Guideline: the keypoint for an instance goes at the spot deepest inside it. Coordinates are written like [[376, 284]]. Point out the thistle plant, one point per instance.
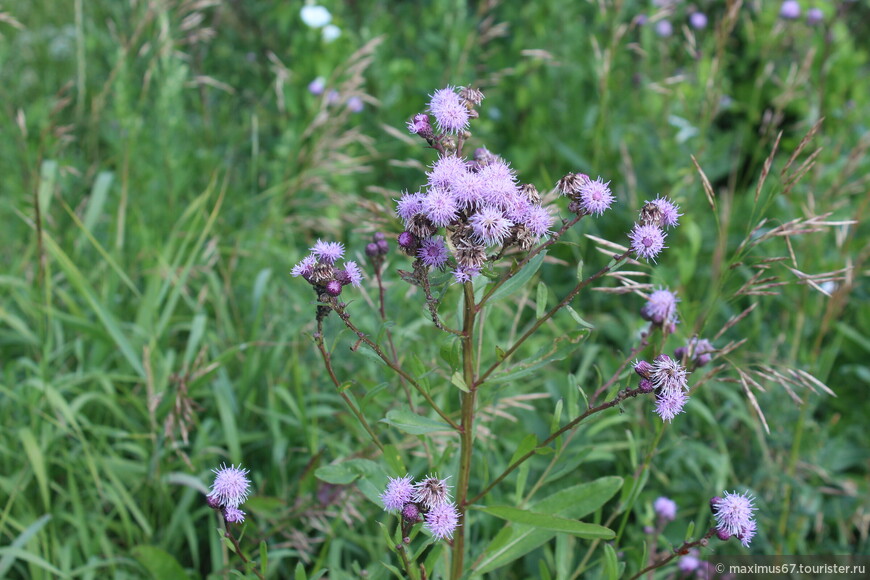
[[474, 232]]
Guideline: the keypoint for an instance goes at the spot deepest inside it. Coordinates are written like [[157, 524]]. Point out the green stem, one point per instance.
[[466, 434]]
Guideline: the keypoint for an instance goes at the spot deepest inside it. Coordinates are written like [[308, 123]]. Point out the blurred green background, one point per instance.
[[164, 164]]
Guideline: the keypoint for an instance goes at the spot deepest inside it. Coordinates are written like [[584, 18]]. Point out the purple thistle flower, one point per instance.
[[733, 515], [433, 252], [355, 104], [468, 189], [234, 515], [665, 508], [664, 28], [538, 219], [490, 226], [231, 486], [409, 205], [407, 240], [669, 404], [440, 207], [399, 492], [647, 241], [661, 307], [353, 273], [431, 492], [442, 520], [328, 252], [305, 267], [317, 86], [700, 350], [333, 287], [643, 369], [668, 212], [698, 20], [411, 512], [498, 170], [646, 386], [419, 125], [815, 16], [689, 562], [746, 534], [450, 114], [446, 171], [463, 274], [595, 196], [668, 375], [790, 9]]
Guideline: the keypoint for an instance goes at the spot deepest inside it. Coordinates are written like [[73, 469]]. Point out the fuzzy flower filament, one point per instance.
[[231, 486], [734, 516]]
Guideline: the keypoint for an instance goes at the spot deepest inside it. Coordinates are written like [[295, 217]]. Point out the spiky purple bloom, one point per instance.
[[333, 287], [317, 86], [665, 508], [463, 274], [433, 252], [305, 267], [409, 205], [668, 375], [353, 273], [328, 252], [231, 486], [407, 240], [664, 28], [815, 16], [790, 9], [419, 125], [440, 207], [446, 171], [489, 225], [411, 512], [669, 212], [698, 20], [661, 307], [595, 196], [734, 515], [234, 515], [468, 189], [647, 241], [431, 491], [442, 520], [537, 219], [450, 114], [700, 350], [746, 534], [399, 491], [669, 404]]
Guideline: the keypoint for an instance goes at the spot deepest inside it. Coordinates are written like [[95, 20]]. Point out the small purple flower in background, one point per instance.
[[442, 520], [790, 9], [355, 104], [647, 241], [234, 515], [689, 562], [665, 508], [328, 252], [433, 252], [333, 97], [431, 491], [317, 86], [664, 28], [815, 16], [450, 114], [734, 516], [661, 307], [669, 404], [698, 20], [399, 492], [595, 196], [231, 486], [699, 349]]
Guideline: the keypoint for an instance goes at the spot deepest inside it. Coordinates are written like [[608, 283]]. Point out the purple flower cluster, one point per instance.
[[479, 202], [427, 500], [661, 309], [648, 236], [734, 516], [698, 350], [230, 489], [669, 379], [665, 508], [319, 269]]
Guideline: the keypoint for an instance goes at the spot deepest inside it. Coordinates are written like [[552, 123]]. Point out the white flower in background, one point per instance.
[[331, 32], [315, 16]]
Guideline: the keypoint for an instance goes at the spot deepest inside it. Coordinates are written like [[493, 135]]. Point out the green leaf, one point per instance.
[[611, 563], [410, 422], [577, 318], [459, 382], [519, 279], [528, 443], [299, 573], [159, 563], [516, 540], [394, 460], [550, 522], [541, 300], [580, 271], [264, 558], [15, 550], [338, 474]]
